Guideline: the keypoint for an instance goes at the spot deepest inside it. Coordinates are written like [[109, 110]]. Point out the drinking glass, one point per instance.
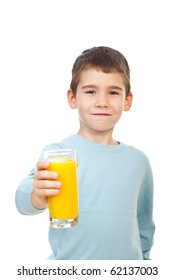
[[63, 207]]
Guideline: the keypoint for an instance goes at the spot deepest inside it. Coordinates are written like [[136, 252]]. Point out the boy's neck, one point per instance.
[[101, 138]]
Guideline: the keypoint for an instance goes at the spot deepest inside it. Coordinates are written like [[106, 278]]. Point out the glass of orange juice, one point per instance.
[[63, 207]]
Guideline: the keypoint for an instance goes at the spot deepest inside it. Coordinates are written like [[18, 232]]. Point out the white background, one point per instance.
[[39, 42]]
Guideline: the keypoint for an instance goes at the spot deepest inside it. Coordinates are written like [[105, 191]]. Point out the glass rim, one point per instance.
[[58, 152]]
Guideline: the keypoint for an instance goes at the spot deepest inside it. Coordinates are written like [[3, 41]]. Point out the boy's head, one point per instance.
[[101, 58]]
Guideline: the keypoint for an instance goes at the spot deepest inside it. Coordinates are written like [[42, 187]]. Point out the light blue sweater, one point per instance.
[[115, 204]]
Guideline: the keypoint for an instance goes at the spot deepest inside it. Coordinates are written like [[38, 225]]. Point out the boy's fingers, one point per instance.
[[43, 164], [45, 175], [45, 184], [47, 192]]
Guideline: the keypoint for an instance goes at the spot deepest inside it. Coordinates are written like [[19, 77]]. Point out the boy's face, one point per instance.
[[100, 100]]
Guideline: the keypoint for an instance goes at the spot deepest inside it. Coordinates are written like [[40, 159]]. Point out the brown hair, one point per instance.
[[103, 58]]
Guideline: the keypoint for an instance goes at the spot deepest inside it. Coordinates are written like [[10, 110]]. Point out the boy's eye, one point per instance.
[[114, 93], [90, 91]]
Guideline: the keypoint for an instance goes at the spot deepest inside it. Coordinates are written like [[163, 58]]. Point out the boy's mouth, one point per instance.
[[101, 114]]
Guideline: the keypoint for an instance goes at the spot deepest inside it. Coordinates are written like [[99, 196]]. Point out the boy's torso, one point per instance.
[[109, 180]]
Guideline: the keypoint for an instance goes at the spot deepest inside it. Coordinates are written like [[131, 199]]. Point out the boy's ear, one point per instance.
[[128, 101], [71, 99]]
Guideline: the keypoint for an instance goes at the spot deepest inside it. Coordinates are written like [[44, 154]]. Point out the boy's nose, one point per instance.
[[102, 102]]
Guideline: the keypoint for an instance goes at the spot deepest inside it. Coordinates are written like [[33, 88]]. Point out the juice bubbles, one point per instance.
[[63, 207]]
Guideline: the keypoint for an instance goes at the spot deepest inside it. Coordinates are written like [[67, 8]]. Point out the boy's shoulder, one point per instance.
[[138, 153], [134, 149]]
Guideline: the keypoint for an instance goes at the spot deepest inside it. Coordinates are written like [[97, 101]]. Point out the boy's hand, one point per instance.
[[44, 185]]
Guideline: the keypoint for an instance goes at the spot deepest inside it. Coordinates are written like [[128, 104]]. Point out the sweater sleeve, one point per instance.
[[23, 196], [145, 213]]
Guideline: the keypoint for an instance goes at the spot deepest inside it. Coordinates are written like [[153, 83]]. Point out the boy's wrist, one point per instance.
[[37, 202]]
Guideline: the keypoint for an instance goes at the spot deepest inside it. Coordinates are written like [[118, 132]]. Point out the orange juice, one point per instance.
[[64, 206]]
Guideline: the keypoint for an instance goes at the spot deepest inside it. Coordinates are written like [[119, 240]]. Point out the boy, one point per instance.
[[115, 180]]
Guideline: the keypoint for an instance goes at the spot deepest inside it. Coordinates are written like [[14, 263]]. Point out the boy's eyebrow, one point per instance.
[[116, 87], [89, 86], [110, 87]]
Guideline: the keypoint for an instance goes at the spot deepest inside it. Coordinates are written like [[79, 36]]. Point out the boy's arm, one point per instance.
[[32, 192], [145, 214], [23, 196]]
